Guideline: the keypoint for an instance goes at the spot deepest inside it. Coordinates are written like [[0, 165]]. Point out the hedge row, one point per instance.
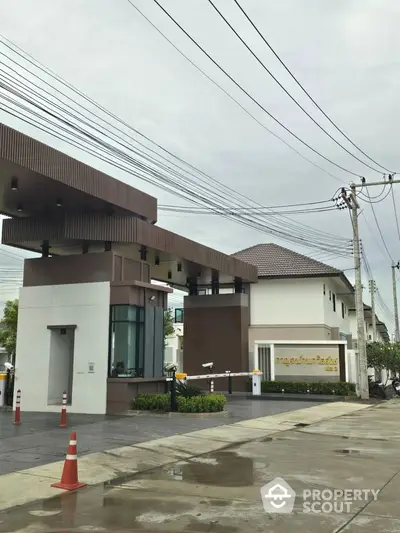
[[211, 403], [339, 388]]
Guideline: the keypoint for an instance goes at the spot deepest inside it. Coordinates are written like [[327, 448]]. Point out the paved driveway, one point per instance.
[[39, 440]]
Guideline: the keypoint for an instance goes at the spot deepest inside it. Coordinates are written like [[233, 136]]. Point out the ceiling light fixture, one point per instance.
[[14, 183], [19, 208], [59, 202]]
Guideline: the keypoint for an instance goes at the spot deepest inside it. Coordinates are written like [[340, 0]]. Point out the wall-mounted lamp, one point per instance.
[[19, 208], [14, 184], [157, 260], [152, 298], [59, 202]]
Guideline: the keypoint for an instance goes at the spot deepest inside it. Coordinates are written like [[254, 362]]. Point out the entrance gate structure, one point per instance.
[[90, 318]]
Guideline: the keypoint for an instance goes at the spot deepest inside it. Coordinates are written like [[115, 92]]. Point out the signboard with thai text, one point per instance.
[[306, 362]]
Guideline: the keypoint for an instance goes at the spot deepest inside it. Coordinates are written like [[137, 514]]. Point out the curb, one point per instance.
[[32, 485], [169, 414]]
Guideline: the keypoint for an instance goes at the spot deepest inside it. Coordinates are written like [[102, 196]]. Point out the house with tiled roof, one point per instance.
[[297, 299]]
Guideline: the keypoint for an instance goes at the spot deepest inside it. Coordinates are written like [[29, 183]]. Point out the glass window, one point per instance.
[[343, 311], [334, 302], [179, 315], [126, 341]]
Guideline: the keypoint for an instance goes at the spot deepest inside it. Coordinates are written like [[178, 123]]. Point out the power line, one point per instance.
[[232, 98], [190, 211], [303, 88], [110, 149], [166, 206], [260, 227], [55, 76], [288, 93], [251, 97], [380, 232], [395, 214]]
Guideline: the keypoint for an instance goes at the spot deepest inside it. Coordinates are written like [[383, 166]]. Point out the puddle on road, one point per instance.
[[151, 503]]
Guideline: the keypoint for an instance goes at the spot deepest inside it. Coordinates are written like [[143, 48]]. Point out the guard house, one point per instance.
[[90, 319]]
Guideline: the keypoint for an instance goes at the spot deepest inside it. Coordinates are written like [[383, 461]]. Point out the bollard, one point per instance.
[[174, 405], [211, 386], [17, 420], [229, 381], [63, 423]]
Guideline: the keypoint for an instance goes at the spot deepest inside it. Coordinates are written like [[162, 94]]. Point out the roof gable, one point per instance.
[[274, 261]]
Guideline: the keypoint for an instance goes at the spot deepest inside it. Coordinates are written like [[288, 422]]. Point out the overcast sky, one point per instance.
[[344, 52]]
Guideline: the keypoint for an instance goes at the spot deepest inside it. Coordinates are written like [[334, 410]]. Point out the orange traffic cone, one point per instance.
[[69, 478]]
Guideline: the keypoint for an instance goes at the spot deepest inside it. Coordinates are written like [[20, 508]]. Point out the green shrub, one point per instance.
[[341, 388], [152, 402], [187, 390], [211, 403]]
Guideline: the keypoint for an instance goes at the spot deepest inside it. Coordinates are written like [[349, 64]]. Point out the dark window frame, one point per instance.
[[334, 302], [138, 321]]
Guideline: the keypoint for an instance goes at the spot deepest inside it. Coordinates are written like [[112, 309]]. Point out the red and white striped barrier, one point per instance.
[[17, 420], [63, 423], [256, 375]]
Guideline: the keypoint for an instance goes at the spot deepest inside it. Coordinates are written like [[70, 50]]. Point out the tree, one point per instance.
[[383, 356], [168, 324], [8, 329]]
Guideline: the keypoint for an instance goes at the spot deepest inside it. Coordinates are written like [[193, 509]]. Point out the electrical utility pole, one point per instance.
[[353, 205], [372, 289], [396, 310]]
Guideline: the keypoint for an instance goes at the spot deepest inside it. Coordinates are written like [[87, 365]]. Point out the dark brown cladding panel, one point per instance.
[[85, 268], [125, 230], [68, 269], [101, 228], [42, 159], [165, 241]]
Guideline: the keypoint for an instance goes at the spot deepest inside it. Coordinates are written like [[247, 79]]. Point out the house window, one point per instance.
[[343, 310], [334, 302], [178, 316], [330, 296], [324, 288]]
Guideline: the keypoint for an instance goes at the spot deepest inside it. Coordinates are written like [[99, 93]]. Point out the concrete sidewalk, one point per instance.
[[126, 462]]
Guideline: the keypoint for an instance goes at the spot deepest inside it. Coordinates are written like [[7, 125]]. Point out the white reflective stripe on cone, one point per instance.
[[72, 442], [72, 458]]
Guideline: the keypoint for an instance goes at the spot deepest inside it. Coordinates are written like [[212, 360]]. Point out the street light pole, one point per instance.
[[361, 342], [372, 291]]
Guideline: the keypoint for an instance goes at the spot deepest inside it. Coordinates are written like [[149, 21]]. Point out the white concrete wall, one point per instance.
[[86, 305], [286, 301], [335, 319], [173, 347]]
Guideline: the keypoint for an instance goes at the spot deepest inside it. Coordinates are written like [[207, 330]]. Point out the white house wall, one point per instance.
[[86, 305], [286, 301], [335, 319]]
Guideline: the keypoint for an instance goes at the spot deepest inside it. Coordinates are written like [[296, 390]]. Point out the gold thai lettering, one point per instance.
[[323, 361]]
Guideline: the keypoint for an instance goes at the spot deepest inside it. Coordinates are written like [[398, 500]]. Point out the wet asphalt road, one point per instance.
[[39, 440]]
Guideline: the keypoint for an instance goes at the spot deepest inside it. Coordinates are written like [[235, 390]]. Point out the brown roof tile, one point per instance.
[[275, 261]]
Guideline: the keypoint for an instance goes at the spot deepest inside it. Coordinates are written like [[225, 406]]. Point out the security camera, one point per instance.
[[170, 367], [9, 366], [208, 365]]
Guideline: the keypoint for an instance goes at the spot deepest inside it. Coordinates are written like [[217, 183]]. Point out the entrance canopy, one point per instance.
[[59, 203]]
